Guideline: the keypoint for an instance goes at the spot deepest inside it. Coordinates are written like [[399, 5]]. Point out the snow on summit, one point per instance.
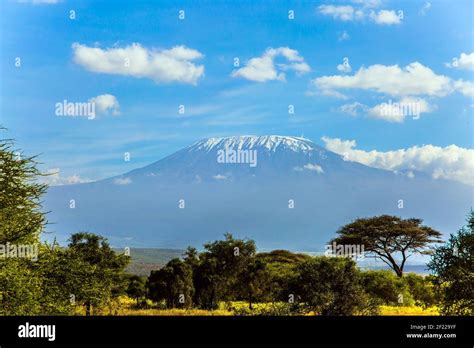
[[270, 142]]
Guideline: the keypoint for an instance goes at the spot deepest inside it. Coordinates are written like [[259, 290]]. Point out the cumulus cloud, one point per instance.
[[263, 68], [311, 167], [353, 108], [53, 178], [391, 111], [414, 79], [348, 13], [451, 162], [398, 110], [162, 66], [343, 13], [314, 167], [464, 62], [106, 104], [385, 17], [464, 87], [122, 181]]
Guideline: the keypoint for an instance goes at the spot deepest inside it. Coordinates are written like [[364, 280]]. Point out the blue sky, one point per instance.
[[393, 56]]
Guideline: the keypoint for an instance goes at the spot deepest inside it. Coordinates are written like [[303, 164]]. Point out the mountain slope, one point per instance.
[[284, 192]]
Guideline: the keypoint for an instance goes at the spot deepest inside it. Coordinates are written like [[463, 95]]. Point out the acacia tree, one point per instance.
[[389, 238]]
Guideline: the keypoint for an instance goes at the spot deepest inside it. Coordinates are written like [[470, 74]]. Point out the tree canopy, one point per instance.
[[389, 238]]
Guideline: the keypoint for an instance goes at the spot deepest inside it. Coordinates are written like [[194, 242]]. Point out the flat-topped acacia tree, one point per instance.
[[389, 238]]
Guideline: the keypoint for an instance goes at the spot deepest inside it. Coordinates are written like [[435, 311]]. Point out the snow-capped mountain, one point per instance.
[[269, 142], [241, 158], [282, 191]]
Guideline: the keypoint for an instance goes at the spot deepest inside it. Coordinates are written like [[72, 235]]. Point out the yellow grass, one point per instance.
[[408, 310], [174, 312], [124, 307]]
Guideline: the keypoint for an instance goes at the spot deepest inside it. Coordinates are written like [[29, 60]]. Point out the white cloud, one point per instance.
[[426, 7], [353, 108], [385, 17], [451, 162], [122, 181], [263, 68], [314, 167], [220, 177], [53, 178], [465, 87], [414, 79], [343, 13], [347, 13], [395, 111], [398, 110], [311, 167], [106, 104], [464, 62], [162, 66]]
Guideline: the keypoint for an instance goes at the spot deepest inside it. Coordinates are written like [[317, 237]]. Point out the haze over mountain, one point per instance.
[[284, 192]]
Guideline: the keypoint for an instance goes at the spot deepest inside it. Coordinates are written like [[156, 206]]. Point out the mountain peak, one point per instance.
[[269, 142]]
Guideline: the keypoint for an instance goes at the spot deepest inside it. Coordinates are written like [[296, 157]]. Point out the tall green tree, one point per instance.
[[21, 222], [172, 283], [136, 287], [453, 264], [330, 286], [389, 238], [21, 218], [219, 268], [254, 282], [96, 271]]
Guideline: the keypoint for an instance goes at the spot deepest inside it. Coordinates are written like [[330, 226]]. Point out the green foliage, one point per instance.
[[21, 219], [136, 287], [173, 283], [95, 272], [453, 263], [422, 289], [384, 287], [330, 286], [219, 268], [283, 257], [388, 236], [20, 288], [254, 282], [281, 266]]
